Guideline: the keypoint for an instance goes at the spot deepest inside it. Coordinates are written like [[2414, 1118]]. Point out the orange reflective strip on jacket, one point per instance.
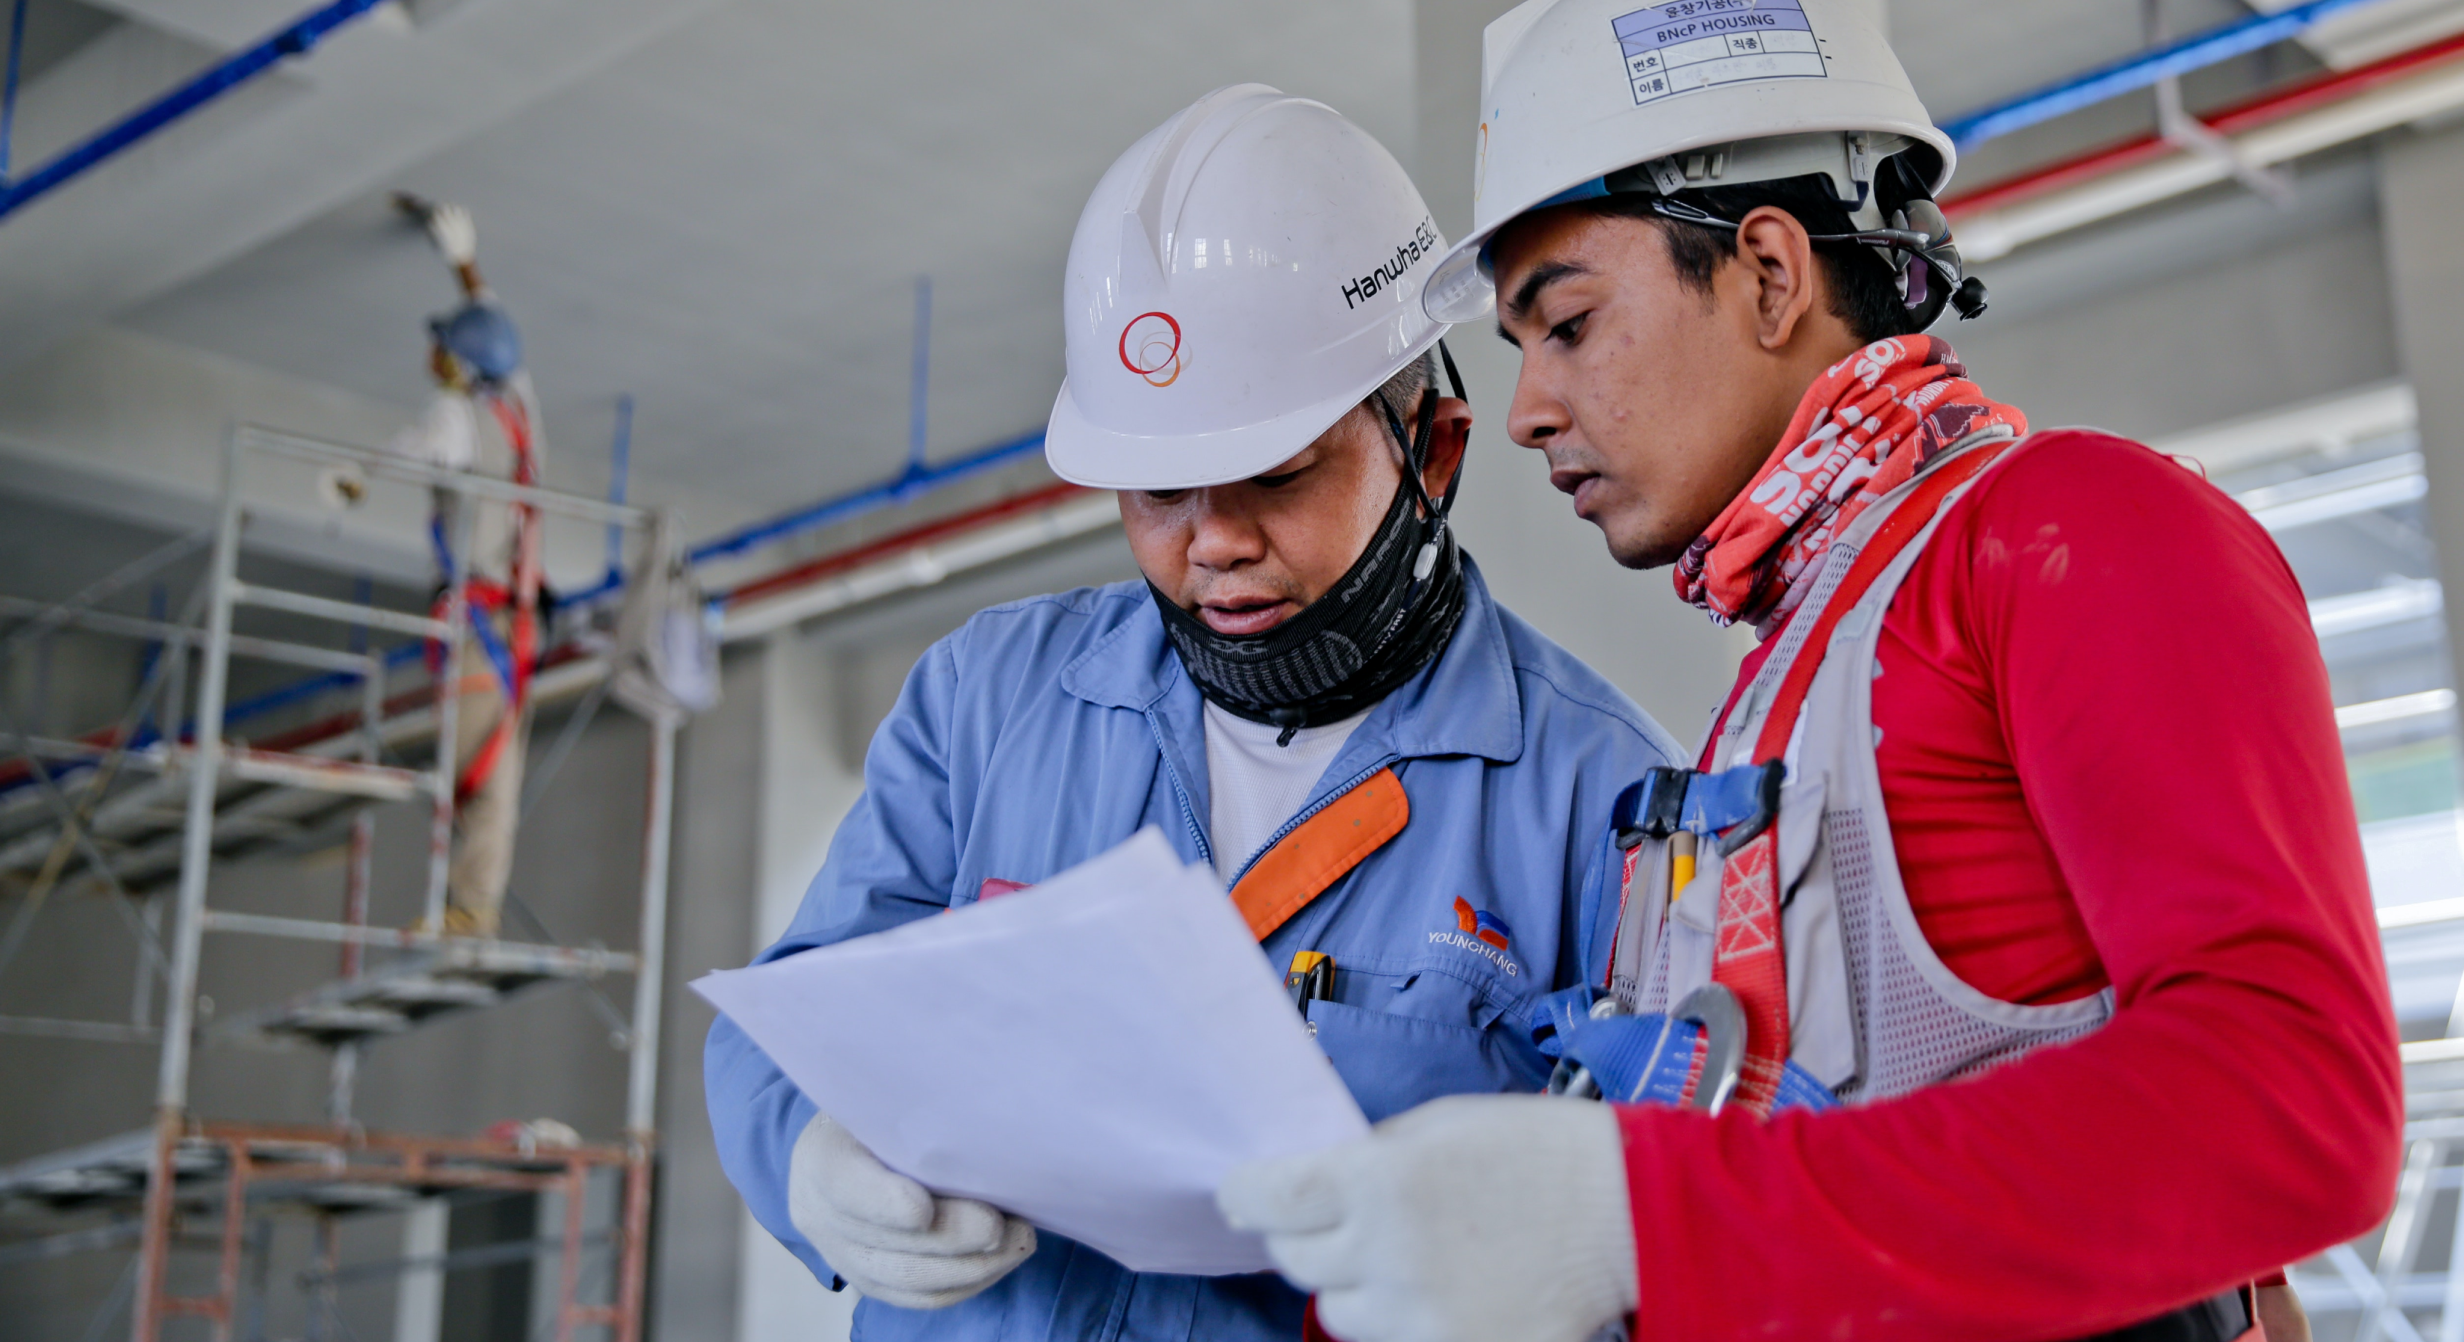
[[1317, 853]]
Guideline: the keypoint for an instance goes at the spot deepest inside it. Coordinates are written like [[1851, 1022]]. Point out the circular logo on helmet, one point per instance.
[[1151, 348]]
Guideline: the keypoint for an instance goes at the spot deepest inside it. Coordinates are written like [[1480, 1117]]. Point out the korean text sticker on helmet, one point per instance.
[[1695, 44]]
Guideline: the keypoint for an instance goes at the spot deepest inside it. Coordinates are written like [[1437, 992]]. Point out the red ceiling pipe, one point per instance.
[[2259, 111], [814, 570]]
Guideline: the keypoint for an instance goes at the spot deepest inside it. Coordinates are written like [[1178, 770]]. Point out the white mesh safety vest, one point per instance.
[[1873, 1011]]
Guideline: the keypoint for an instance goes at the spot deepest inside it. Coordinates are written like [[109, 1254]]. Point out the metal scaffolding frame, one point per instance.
[[301, 787]]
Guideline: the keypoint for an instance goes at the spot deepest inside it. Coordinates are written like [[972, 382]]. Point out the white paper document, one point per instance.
[[1093, 1054]]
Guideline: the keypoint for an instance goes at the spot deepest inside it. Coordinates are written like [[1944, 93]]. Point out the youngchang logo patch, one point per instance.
[[1482, 933]]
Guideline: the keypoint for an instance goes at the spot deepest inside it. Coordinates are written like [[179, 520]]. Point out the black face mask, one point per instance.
[[1390, 615]]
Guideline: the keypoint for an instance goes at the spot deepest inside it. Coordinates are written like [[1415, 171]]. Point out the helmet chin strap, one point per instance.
[[1908, 247], [1929, 244], [1416, 460], [1391, 614]]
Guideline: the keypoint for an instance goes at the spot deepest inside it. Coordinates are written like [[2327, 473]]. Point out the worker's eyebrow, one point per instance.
[[1541, 277]]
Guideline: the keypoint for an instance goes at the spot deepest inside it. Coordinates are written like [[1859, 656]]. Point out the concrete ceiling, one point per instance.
[[720, 207]]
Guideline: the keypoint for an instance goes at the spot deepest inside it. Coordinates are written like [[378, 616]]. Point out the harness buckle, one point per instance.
[[1764, 784], [1651, 808], [1741, 801]]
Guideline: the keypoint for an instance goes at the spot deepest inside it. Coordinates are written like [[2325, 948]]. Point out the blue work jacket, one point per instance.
[[1048, 730]]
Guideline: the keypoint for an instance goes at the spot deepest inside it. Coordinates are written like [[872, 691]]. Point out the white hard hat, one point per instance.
[[1246, 274], [1697, 93]]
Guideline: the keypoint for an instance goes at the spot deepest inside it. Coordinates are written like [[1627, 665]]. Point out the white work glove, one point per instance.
[[451, 229], [1489, 1218], [887, 1234]]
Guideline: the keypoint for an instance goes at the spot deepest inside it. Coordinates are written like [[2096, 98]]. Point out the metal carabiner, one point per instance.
[[1572, 1079], [1715, 1008]]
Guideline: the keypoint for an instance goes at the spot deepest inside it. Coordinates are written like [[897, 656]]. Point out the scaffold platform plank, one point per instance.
[[110, 1170], [302, 1166], [459, 975]]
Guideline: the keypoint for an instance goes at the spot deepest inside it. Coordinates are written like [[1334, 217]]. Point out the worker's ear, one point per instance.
[[1449, 438], [1776, 259]]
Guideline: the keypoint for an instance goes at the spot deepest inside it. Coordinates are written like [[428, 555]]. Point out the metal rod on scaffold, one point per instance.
[[619, 466], [569, 1307], [458, 553], [362, 874], [641, 1092], [188, 930], [641, 1100], [342, 1075]]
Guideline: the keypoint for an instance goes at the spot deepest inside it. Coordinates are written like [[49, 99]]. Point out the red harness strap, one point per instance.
[[1748, 957], [522, 598], [486, 598]]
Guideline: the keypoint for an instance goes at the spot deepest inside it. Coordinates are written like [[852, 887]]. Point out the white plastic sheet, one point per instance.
[[1093, 1054]]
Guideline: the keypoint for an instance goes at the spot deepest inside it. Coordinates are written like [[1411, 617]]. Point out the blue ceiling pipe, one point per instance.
[[294, 39], [2144, 70], [916, 480]]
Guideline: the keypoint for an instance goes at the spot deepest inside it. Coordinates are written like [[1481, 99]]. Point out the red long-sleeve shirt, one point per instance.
[[2109, 755]]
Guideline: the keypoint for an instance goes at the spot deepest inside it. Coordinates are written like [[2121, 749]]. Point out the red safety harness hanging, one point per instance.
[[518, 655], [1748, 957]]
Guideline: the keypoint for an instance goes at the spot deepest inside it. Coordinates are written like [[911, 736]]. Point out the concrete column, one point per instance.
[[547, 1266], [419, 1295], [2421, 195]]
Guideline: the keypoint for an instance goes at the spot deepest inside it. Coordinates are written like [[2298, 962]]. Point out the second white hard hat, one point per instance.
[[1696, 93], [1243, 276]]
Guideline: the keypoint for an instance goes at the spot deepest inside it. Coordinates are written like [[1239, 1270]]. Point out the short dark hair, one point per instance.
[[1864, 289], [1400, 395]]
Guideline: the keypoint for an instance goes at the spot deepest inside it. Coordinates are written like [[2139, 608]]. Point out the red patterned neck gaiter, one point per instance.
[[1866, 427]]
